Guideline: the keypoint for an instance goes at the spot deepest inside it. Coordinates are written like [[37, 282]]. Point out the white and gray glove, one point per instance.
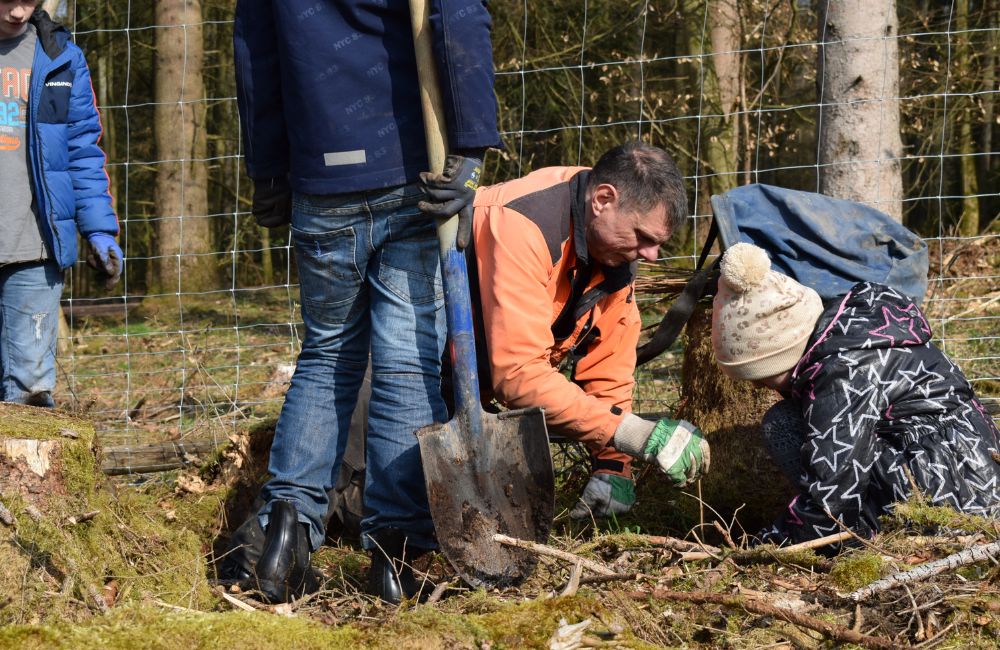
[[677, 447], [605, 495]]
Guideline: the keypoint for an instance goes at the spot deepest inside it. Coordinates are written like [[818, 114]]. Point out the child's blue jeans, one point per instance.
[[29, 325]]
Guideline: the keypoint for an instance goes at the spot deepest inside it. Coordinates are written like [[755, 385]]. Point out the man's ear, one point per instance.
[[604, 194]]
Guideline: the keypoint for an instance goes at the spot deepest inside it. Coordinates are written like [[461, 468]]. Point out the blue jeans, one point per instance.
[[29, 325], [370, 281]]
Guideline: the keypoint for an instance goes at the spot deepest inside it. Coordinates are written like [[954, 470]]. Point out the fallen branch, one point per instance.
[[679, 545], [574, 581], [803, 546], [830, 630], [597, 580], [439, 590], [235, 602], [82, 517], [542, 549], [924, 571]]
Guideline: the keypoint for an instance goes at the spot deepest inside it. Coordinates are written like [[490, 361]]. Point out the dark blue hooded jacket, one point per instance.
[[329, 95], [64, 128]]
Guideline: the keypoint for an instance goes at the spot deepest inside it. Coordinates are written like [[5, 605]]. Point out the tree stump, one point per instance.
[[742, 474], [44, 455]]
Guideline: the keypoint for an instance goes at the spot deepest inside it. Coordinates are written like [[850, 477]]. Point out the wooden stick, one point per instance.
[[439, 591], [542, 549], [725, 535], [817, 543], [236, 602], [830, 630], [680, 545], [574, 581], [924, 571], [82, 517], [695, 556]]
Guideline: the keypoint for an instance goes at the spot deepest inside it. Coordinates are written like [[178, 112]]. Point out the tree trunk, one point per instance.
[[722, 91], [184, 236], [990, 60], [716, 42], [968, 225], [858, 76]]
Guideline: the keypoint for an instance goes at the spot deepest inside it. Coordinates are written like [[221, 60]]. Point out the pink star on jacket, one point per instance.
[[903, 318]]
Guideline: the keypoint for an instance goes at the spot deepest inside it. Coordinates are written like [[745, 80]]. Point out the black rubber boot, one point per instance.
[[391, 575], [245, 547], [283, 572]]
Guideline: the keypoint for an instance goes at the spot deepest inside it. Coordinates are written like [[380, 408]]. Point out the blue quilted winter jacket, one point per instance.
[[329, 96], [67, 165]]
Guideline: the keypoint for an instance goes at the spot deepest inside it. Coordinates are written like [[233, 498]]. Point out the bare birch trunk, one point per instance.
[[184, 236], [858, 77]]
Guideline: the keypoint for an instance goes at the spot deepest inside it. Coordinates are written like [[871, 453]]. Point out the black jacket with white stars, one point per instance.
[[881, 403]]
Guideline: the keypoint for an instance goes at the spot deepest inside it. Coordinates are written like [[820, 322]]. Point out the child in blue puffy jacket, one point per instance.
[[55, 185]]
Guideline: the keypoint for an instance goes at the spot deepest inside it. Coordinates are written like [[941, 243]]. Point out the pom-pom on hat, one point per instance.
[[761, 319]]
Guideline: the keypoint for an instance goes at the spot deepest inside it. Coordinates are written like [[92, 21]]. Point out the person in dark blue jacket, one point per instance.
[[329, 103], [55, 185]]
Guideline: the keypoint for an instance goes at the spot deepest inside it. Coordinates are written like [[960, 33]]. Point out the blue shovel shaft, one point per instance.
[[461, 337]]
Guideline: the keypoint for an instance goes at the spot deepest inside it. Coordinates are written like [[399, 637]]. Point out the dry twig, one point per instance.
[[439, 590], [831, 630], [542, 549], [679, 545], [803, 546], [234, 601], [82, 517]]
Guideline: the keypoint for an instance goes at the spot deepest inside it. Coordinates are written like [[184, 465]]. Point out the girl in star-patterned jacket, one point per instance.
[[871, 406]]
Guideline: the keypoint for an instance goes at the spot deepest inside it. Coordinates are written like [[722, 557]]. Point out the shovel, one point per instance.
[[485, 473]]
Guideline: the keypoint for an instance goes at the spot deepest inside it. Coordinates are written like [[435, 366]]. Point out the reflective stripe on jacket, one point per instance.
[[328, 91], [524, 242]]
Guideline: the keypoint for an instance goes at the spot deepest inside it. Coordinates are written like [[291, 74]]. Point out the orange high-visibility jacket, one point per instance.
[[527, 236]]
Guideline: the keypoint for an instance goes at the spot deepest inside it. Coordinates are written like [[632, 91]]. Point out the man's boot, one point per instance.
[[245, 547], [391, 575], [283, 572]]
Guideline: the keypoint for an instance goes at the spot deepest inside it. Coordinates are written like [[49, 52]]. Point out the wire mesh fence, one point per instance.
[[203, 330]]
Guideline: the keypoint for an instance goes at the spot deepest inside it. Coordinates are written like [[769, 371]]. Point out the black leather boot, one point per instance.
[[391, 574], [283, 572], [240, 560]]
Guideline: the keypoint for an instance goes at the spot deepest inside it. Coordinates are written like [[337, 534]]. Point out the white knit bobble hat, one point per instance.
[[761, 319]]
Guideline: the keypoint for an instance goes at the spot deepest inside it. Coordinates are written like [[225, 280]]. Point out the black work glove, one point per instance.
[[272, 202], [452, 192]]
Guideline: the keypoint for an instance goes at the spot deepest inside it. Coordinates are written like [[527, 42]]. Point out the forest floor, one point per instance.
[[128, 562]]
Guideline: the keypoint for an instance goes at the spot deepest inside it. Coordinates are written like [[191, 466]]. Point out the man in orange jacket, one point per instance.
[[556, 253]]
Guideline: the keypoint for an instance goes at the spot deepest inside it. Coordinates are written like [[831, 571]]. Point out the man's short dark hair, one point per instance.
[[645, 177]]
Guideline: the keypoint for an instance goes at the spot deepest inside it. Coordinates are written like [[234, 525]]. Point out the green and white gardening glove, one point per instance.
[[605, 495], [677, 447]]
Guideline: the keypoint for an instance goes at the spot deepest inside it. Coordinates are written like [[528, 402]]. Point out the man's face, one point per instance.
[[14, 15], [616, 236]]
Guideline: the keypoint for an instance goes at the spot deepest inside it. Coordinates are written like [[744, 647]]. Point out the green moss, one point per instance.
[[149, 627], [131, 542], [856, 570], [918, 513], [514, 625]]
